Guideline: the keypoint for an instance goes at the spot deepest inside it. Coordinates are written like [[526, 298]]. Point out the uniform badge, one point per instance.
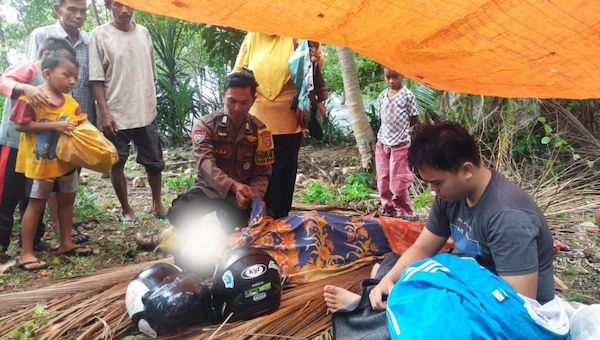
[[199, 135], [222, 132], [246, 166]]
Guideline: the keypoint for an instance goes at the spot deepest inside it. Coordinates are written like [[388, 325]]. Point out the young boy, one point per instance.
[[36, 158], [398, 112], [20, 79]]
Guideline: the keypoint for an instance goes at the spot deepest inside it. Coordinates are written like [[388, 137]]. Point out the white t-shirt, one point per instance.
[[124, 61]]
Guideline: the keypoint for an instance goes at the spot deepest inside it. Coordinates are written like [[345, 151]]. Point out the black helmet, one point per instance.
[[247, 284], [146, 280], [184, 301]]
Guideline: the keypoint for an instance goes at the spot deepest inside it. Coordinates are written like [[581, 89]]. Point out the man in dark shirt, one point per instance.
[[489, 218]]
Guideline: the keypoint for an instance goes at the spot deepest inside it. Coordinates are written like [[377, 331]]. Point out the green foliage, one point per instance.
[[426, 97], [39, 318], [423, 200], [2, 99], [30, 15], [356, 186], [85, 204], [543, 141], [176, 91], [333, 133], [374, 118], [192, 61], [316, 192], [179, 183]]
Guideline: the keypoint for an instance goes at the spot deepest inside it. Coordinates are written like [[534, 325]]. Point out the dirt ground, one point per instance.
[[577, 269]]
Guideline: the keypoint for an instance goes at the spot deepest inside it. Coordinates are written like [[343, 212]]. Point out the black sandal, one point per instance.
[[78, 237], [74, 251], [23, 266]]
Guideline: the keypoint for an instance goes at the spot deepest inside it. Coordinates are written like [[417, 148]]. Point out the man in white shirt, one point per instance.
[[122, 72]]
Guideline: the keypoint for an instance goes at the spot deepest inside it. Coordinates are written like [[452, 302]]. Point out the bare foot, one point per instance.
[[160, 212], [336, 297], [374, 270]]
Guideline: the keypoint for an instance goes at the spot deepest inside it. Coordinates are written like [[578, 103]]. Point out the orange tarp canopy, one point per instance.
[[508, 48]]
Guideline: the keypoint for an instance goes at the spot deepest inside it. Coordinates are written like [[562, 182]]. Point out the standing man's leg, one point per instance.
[[382, 165], [117, 175], [401, 178], [119, 182], [283, 179], [149, 154]]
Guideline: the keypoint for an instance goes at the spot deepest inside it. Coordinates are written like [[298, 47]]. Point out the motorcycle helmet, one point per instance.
[[146, 280], [183, 302], [246, 284]]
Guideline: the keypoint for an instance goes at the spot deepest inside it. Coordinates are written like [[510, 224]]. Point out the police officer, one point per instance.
[[234, 153]]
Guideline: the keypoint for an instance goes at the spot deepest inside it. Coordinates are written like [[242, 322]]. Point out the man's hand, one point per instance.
[[63, 127], [243, 194], [109, 125], [382, 289], [36, 96]]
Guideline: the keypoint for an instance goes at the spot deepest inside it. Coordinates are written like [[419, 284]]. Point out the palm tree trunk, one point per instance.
[[365, 140]]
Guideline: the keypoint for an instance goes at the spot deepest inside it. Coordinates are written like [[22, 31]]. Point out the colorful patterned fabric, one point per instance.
[[311, 245]]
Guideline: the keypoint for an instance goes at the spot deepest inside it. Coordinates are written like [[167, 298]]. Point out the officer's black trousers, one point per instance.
[[196, 204], [14, 189], [281, 184]]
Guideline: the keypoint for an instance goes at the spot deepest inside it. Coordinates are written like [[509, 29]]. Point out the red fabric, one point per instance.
[[402, 234], [394, 178], [22, 112], [19, 73], [4, 154]]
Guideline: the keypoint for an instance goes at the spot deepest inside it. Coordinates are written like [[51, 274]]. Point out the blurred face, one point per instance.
[[63, 77], [72, 13], [393, 79], [121, 13], [450, 186], [238, 101]]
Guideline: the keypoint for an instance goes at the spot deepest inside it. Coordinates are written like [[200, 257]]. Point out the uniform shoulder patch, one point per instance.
[[265, 154], [199, 135]]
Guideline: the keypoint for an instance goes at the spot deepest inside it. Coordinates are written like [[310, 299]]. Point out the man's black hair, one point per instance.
[[52, 44], [53, 59], [444, 146], [243, 79]]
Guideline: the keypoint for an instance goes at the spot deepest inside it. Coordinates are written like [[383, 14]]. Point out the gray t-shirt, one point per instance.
[[505, 232], [124, 61]]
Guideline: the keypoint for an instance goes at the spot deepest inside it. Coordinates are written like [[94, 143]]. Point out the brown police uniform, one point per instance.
[[225, 154]]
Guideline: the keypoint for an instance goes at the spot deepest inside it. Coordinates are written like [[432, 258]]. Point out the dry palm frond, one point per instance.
[[105, 278], [97, 310]]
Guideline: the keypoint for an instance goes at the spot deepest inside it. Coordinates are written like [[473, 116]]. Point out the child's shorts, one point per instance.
[[41, 188]]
